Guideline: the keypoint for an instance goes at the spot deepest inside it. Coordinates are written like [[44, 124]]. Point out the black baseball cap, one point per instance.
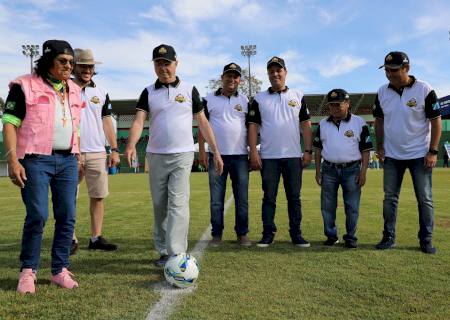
[[337, 96], [164, 51], [276, 60], [51, 48], [395, 60], [232, 67]]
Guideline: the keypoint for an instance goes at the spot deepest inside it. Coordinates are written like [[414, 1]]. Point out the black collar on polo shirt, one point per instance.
[[91, 84], [159, 84], [346, 119], [400, 90], [219, 92], [271, 91]]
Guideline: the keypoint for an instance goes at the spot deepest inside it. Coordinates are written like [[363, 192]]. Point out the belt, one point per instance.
[[66, 152], [341, 165]]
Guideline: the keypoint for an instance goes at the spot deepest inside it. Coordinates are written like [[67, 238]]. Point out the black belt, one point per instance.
[[341, 165], [66, 152]]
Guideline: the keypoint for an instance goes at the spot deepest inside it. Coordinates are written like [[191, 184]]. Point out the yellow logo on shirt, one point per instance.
[[293, 103], [238, 107], [412, 103], [349, 133], [180, 98], [95, 100]]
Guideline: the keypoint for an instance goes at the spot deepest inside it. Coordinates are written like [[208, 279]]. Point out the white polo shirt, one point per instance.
[[170, 108], [279, 115], [98, 106], [407, 113], [227, 117], [343, 141]]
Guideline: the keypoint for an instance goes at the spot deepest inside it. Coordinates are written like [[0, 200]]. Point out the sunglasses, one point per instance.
[[64, 61]]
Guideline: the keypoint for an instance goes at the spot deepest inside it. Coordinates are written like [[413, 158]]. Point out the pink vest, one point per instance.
[[35, 135]]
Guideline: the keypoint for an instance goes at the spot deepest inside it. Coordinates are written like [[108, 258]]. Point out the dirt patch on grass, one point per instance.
[[443, 223]]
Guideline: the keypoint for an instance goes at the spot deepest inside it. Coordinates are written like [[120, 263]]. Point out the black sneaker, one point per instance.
[[266, 240], [298, 241], [331, 241], [351, 244], [102, 244], [386, 243], [427, 247], [73, 247], [161, 262]]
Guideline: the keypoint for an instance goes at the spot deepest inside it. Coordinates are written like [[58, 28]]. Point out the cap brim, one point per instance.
[[232, 70], [161, 58], [391, 66], [89, 63], [277, 63]]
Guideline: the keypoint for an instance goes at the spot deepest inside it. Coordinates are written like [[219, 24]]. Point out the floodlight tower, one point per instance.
[[30, 50], [248, 51]]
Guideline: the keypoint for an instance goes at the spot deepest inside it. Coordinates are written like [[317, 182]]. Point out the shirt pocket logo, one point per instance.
[[238, 108], [412, 103], [180, 98], [293, 103], [349, 133], [95, 100]]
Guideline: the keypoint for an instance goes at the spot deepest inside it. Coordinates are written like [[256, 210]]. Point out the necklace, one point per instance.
[[60, 89]]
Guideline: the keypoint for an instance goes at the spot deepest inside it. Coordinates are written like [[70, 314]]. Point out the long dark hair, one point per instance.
[[43, 65]]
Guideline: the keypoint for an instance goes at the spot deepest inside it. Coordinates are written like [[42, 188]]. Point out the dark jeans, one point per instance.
[[332, 177], [60, 172], [394, 171], [237, 167], [291, 170]]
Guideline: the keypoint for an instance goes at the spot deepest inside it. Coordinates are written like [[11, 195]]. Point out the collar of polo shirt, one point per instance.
[[409, 85], [347, 118], [159, 84], [219, 92], [271, 91]]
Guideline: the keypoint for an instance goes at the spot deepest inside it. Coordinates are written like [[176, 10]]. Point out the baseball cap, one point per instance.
[[276, 60], [165, 52], [395, 60], [337, 95], [51, 48], [232, 67]]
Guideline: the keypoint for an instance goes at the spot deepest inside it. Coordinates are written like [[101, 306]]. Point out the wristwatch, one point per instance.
[[115, 150], [308, 151], [433, 151]]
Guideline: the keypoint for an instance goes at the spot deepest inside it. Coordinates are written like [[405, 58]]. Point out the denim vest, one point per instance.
[[35, 135]]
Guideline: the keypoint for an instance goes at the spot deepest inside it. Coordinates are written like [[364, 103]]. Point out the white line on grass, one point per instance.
[[170, 296]]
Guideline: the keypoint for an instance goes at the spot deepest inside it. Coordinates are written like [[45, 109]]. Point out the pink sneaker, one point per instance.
[[64, 279], [27, 278]]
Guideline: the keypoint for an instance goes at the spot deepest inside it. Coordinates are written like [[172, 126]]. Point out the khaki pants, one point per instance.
[[169, 186]]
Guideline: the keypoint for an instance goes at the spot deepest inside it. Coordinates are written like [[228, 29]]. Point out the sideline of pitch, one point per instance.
[[171, 296]]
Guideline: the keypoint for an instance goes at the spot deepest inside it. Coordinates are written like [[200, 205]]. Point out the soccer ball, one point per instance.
[[181, 270]]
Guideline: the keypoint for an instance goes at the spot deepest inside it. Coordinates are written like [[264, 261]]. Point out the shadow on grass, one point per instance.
[[316, 247]]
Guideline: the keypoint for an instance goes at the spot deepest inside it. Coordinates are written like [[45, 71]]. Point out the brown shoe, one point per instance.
[[244, 241], [215, 242]]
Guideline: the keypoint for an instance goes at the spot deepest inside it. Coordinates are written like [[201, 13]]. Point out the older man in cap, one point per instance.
[[281, 115], [171, 105], [343, 141], [408, 128], [96, 128], [226, 110], [41, 122]]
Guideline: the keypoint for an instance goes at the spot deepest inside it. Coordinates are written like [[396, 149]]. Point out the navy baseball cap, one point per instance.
[[395, 60], [337, 96], [232, 67], [165, 52], [51, 48], [276, 60]]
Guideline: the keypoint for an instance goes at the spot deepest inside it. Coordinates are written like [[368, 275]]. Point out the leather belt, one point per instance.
[[341, 165]]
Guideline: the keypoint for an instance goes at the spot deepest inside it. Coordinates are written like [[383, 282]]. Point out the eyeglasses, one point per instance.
[[64, 61], [86, 66]]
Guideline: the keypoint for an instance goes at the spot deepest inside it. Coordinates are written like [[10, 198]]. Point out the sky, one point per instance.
[[326, 44]]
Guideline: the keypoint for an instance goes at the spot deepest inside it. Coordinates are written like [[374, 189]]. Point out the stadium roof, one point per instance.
[[360, 103]]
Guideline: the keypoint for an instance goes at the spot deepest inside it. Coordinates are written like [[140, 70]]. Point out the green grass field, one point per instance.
[[279, 282]]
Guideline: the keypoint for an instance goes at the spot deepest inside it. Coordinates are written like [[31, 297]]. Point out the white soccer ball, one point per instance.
[[181, 270]]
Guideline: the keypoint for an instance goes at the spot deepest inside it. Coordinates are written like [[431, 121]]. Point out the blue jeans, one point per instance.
[[332, 177], [60, 172], [291, 170], [237, 167], [394, 171]]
